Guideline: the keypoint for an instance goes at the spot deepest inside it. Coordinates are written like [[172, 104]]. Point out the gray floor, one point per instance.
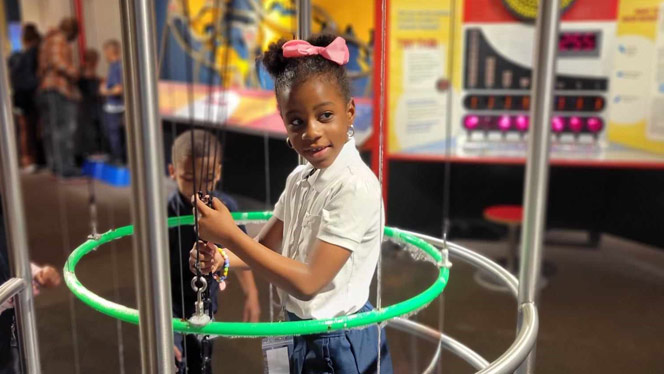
[[601, 312]]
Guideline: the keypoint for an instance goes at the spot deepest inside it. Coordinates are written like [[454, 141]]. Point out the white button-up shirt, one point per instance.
[[341, 205]]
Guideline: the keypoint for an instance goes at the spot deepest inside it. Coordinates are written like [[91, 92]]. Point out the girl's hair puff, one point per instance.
[[290, 72]]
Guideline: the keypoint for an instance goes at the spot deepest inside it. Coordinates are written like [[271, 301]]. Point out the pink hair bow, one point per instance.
[[337, 51]]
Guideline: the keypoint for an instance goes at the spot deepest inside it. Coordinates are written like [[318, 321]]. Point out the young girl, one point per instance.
[[321, 247]]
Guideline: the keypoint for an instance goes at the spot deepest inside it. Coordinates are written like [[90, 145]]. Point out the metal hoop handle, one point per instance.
[[195, 287]]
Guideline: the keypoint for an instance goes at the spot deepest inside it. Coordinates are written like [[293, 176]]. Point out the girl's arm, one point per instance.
[[211, 260], [301, 280]]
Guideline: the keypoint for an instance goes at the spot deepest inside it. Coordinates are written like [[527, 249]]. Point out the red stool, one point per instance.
[[510, 216]]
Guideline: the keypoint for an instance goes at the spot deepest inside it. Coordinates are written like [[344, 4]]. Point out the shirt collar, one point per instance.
[[322, 177]]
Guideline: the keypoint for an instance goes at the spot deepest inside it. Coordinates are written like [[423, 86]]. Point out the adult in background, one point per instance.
[[24, 82], [58, 96]]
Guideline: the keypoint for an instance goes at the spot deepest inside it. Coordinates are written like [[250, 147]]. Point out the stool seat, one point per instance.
[[505, 214]]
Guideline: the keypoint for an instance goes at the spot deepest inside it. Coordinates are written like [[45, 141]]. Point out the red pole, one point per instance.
[[78, 9], [380, 107]]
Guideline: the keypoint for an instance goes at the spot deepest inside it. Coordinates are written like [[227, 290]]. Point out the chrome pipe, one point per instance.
[[435, 336], [520, 349], [537, 160], [17, 238], [303, 19], [146, 161], [472, 258], [10, 288]]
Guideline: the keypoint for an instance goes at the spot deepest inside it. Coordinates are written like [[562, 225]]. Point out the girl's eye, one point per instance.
[[326, 116], [296, 122]]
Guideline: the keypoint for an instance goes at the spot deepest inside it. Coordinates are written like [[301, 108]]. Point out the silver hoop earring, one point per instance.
[[351, 131], [288, 143]]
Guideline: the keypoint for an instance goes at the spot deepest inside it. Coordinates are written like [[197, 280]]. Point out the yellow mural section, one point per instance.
[[420, 52], [358, 14], [266, 22], [637, 84]]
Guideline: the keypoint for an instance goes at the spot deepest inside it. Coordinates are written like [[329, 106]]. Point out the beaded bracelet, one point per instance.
[[220, 276]]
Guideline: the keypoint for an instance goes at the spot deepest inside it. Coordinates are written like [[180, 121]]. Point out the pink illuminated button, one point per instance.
[[575, 124], [557, 124], [522, 123], [471, 122], [504, 123], [594, 124]]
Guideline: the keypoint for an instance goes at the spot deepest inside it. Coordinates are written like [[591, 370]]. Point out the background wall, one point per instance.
[[101, 19], [102, 22], [45, 13]]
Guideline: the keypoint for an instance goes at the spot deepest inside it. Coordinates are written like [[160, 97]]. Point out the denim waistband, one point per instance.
[[292, 317]]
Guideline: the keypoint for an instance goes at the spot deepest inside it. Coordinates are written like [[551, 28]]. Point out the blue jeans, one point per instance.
[[352, 351], [113, 130], [58, 114]]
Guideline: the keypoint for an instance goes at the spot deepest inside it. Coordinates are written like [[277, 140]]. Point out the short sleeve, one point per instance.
[[349, 214], [279, 207]]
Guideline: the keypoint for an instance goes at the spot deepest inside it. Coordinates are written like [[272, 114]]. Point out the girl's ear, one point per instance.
[[350, 111]]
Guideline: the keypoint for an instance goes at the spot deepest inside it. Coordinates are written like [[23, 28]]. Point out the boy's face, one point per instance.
[[90, 63], [182, 174], [110, 53], [317, 119]]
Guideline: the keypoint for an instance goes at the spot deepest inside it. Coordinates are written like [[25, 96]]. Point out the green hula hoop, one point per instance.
[[256, 329]]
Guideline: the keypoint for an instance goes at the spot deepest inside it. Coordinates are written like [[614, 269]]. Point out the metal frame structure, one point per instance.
[[526, 337], [20, 286], [146, 161], [537, 162]]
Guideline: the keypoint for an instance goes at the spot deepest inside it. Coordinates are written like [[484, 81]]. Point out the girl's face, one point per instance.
[[317, 119]]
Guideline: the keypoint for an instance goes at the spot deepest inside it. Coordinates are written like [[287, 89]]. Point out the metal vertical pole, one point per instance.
[[16, 233], [537, 163], [145, 146], [303, 32], [303, 19]]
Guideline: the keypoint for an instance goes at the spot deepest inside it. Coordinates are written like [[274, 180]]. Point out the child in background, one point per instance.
[[112, 91], [206, 153], [321, 247], [91, 138]]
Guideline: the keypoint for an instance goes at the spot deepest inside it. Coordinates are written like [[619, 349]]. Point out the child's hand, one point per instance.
[[47, 277], [215, 224], [252, 308], [209, 258]]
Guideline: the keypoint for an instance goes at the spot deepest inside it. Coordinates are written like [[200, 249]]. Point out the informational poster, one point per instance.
[[637, 84], [418, 84], [463, 69]]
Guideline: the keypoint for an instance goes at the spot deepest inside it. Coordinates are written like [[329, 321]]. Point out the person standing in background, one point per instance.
[[112, 91], [58, 96], [91, 139], [24, 82]]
